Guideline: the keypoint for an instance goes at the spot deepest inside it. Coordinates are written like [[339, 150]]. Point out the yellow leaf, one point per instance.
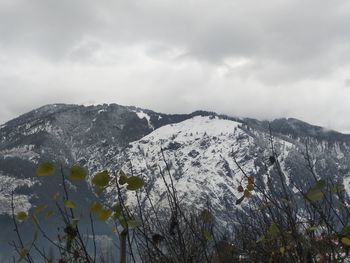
[[95, 208], [250, 187], [49, 214], [282, 250], [101, 179], [45, 169], [24, 253], [273, 230], [247, 193], [69, 204], [77, 173], [250, 180], [314, 194], [346, 241], [21, 216], [105, 214]]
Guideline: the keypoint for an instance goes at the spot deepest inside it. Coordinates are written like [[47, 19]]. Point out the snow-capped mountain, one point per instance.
[[203, 155], [201, 149]]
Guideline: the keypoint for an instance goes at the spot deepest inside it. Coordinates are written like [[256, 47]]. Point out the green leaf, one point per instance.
[[101, 179], [49, 214], [69, 204], [311, 229], [314, 194], [273, 231], [99, 190], [56, 195], [45, 169], [117, 212], [96, 208], [105, 214], [130, 223], [133, 223], [40, 208], [207, 235], [24, 253], [135, 183], [123, 178], [346, 241], [260, 239], [75, 221], [123, 222], [77, 173], [21, 216], [282, 250], [346, 230], [35, 220], [206, 216], [320, 184], [337, 188]]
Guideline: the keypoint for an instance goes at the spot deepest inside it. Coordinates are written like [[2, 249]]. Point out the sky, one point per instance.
[[249, 58]]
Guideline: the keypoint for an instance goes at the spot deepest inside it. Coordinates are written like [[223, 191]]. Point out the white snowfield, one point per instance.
[[25, 152], [199, 152], [198, 126]]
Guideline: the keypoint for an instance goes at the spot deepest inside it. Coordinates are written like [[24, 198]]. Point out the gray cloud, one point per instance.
[[262, 59]]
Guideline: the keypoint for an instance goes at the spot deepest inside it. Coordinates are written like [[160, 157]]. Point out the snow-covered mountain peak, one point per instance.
[[200, 155], [197, 126]]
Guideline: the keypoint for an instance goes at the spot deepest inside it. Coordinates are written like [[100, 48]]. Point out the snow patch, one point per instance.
[[143, 115], [21, 202], [25, 152], [346, 182]]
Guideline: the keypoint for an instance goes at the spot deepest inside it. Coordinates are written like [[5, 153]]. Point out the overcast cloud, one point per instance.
[[261, 59]]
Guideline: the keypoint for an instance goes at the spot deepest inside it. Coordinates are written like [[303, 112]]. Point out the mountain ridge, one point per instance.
[[64, 106]]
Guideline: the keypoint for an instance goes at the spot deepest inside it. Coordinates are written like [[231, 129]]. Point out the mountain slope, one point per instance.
[[202, 143], [202, 151]]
